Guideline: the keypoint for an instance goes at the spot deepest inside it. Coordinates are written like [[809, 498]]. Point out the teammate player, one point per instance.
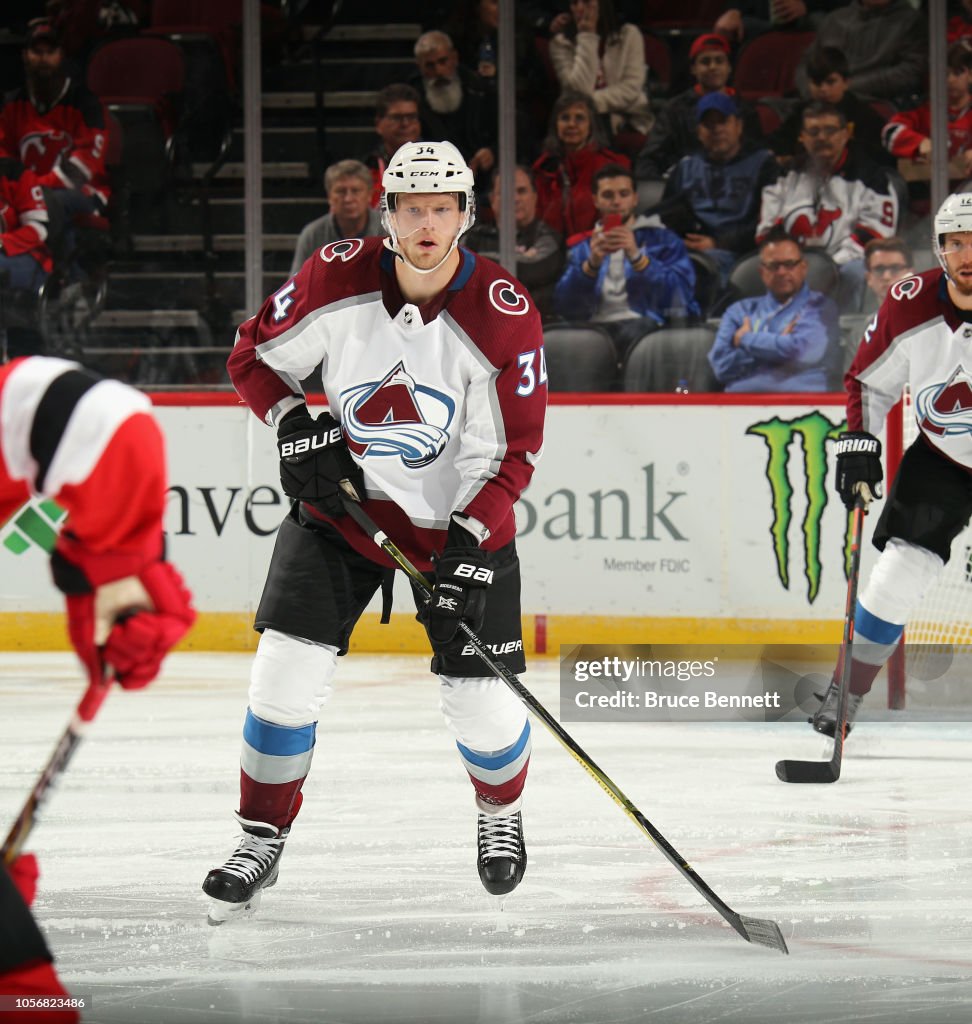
[[436, 387], [93, 445], [921, 336]]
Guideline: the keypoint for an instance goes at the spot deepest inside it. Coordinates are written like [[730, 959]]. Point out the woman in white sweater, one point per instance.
[[591, 53]]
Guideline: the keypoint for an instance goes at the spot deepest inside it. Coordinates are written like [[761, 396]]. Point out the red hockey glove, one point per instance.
[[138, 643], [130, 624], [38, 979]]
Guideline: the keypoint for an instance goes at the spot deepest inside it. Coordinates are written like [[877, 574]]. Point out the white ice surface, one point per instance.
[[379, 915]]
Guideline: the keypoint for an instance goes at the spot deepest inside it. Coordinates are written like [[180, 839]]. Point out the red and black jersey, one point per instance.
[[64, 145], [92, 445], [441, 404], [23, 219]]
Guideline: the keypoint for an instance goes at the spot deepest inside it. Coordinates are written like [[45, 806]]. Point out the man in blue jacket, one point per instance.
[[785, 340], [627, 267], [712, 196], [625, 279]]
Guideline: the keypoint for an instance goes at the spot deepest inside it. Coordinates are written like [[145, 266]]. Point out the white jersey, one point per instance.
[[917, 338]]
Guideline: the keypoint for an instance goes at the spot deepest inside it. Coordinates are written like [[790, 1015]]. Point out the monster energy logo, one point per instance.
[[34, 524], [813, 431]]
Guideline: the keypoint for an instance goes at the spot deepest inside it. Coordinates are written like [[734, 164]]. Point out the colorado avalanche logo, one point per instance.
[[343, 250], [39, 150], [906, 288], [507, 299], [945, 410], [395, 417], [808, 224]]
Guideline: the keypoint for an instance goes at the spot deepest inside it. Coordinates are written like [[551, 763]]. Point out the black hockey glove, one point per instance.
[[314, 459], [462, 575], [859, 468]]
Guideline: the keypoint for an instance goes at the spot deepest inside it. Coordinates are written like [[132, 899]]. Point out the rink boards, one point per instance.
[[650, 519]]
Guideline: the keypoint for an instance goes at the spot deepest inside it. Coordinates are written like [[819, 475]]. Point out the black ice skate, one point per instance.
[[237, 886], [502, 852], [825, 719]]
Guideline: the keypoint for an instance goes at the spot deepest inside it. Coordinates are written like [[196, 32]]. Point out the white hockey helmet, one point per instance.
[[955, 214], [419, 167]]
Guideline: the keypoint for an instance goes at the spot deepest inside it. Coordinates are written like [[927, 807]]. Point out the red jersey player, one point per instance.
[[921, 336], [93, 445], [434, 374]]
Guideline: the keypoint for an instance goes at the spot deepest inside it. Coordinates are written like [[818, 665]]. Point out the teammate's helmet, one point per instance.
[[955, 214]]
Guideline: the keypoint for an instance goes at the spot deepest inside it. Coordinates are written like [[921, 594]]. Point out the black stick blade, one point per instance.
[[761, 931], [807, 771]]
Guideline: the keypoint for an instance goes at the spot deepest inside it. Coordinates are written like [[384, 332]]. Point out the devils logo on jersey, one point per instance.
[[40, 150], [398, 418], [807, 223], [946, 409]]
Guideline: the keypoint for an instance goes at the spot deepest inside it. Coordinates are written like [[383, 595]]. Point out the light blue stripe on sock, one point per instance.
[[878, 631], [497, 758], [280, 740]]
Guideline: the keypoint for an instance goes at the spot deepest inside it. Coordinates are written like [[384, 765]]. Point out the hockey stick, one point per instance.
[[57, 764], [759, 930], [829, 771]]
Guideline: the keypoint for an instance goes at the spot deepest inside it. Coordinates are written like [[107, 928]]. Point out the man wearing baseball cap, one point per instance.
[[712, 196], [674, 132]]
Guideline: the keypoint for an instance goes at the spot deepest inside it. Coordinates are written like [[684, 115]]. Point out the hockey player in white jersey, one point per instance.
[[921, 336], [434, 376]]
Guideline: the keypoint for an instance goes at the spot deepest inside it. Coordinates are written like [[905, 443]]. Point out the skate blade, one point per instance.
[[220, 912]]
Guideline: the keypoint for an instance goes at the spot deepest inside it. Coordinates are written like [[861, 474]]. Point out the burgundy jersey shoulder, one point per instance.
[[916, 300], [496, 311], [340, 270]]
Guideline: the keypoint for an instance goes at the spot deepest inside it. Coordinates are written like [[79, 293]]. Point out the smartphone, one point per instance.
[[611, 221]]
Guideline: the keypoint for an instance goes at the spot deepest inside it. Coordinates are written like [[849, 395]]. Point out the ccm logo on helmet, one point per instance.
[[290, 449]]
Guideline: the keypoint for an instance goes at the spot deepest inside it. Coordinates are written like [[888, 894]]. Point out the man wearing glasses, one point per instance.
[[784, 340], [396, 122], [833, 199], [886, 260]]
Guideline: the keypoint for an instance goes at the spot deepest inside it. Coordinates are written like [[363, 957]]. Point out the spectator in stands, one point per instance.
[[396, 122], [575, 148], [55, 127], [455, 103], [25, 261], [539, 249], [960, 24], [592, 53], [886, 44], [712, 197], [751, 18], [908, 133], [828, 81], [832, 199], [628, 276], [473, 27], [886, 260], [785, 340], [348, 186], [674, 132]]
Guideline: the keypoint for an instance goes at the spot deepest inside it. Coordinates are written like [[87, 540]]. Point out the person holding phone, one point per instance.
[[624, 279]]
